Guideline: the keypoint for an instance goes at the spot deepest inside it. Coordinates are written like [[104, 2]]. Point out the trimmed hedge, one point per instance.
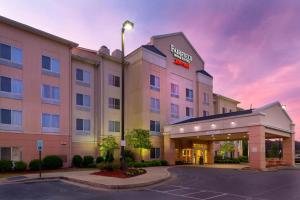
[[20, 166], [34, 164], [87, 160], [135, 172], [52, 162], [5, 165], [228, 161], [148, 163], [99, 159], [77, 161]]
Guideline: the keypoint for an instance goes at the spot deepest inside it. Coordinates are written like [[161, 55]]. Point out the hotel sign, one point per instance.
[[181, 58]]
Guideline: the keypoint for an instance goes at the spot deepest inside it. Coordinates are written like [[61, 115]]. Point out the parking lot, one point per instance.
[[187, 183]]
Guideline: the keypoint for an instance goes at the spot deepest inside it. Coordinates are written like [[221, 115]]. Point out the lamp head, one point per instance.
[[128, 25]]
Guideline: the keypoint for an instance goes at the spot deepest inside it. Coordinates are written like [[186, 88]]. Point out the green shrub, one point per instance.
[[164, 163], [179, 162], [5, 165], [129, 156], [77, 161], [243, 159], [52, 162], [92, 165], [20, 166], [135, 172], [99, 159], [87, 160], [109, 157], [35, 164]]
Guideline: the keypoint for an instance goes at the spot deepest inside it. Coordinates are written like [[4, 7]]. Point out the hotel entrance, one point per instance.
[[196, 155]]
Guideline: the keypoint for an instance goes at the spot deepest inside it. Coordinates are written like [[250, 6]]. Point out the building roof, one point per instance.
[[230, 114], [30, 29], [205, 73], [154, 49], [226, 98], [182, 34]]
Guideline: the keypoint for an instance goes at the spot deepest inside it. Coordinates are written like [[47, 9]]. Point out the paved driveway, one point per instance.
[[190, 183]]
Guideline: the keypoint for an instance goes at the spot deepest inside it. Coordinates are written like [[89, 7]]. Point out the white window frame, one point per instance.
[[174, 90], [112, 80], [156, 126], [12, 94], [85, 130], [50, 129], [50, 100], [52, 61], [156, 85], [13, 61], [114, 125], [174, 110], [86, 81], [15, 124], [188, 92], [112, 103], [156, 153], [154, 105], [191, 111], [205, 98]]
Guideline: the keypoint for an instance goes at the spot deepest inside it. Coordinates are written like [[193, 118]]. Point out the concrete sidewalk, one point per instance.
[[154, 175]]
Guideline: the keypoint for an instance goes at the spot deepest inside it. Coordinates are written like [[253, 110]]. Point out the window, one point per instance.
[[154, 82], [83, 125], [10, 153], [174, 90], [83, 100], [50, 64], [155, 126], [155, 153], [83, 76], [189, 94], [230, 110], [114, 126], [114, 80], [50, 94], [113, 103], [50, 122], [205, 113], [189, 112], [11, 117], [205, 98], [10, 86], [11, 54], [155, 105], [224, 110], [174, 110]]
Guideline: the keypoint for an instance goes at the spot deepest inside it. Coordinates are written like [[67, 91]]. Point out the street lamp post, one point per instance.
[[127, 25]]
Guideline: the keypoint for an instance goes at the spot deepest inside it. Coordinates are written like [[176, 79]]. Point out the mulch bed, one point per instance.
[[116, 174]]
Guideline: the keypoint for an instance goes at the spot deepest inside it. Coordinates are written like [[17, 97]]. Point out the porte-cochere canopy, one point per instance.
[[256, 125]]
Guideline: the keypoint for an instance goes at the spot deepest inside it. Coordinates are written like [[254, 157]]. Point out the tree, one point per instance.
[[139, 139], [226, 147], [107, 146]]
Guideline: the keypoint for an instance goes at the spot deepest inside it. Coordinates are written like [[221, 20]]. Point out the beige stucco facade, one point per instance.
[[166, 84]]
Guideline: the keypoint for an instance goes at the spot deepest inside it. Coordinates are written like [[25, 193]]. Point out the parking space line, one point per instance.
[[215, 196]]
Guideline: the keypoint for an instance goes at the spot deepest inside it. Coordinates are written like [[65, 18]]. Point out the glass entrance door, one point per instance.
[[199, 154]]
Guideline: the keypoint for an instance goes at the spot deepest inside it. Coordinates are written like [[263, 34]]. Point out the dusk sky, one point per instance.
[[252, 48]]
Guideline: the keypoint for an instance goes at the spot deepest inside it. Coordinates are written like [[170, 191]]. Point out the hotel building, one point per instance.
[[70, 97]]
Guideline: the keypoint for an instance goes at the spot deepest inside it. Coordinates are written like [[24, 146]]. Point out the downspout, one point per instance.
[[71, 108]]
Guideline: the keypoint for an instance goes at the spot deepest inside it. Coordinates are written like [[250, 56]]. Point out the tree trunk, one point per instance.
[[141, 158]]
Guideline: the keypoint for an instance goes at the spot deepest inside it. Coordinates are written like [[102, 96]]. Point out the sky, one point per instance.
[[251, 47]]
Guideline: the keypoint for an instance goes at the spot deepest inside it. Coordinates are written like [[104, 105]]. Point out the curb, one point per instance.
[[97, 185]]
